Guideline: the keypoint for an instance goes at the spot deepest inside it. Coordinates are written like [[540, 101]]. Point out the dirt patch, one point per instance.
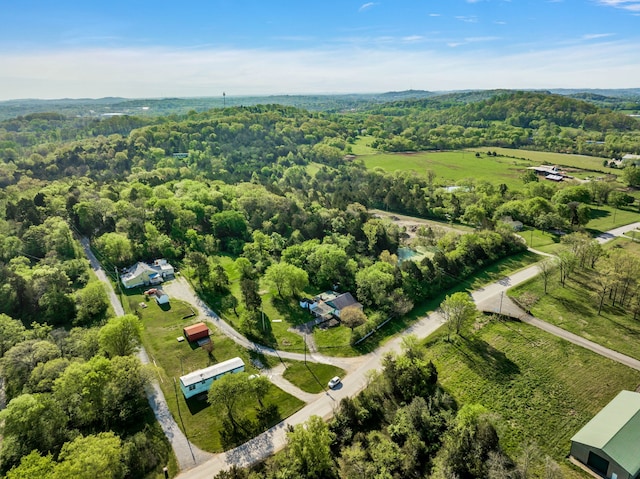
[[411, 224]]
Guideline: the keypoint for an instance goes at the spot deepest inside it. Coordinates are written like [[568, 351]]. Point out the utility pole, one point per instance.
[[305, 347], [501, 296]]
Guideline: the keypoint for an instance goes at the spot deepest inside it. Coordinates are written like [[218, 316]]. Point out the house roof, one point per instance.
[[344, 301], [138, 270], [322, 309], [195, 329], [211, 371], [616, 431]]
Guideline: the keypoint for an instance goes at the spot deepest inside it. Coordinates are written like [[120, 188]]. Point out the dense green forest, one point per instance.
[[276, 189]]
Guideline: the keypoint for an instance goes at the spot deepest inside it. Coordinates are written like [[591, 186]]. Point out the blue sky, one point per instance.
[[140, 48]]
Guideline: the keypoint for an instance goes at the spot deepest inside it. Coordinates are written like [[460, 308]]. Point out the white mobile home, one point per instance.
[[200, 381]]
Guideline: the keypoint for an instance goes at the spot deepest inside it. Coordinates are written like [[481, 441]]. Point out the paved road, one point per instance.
[[181, 289], [507, 307], [621, 231], [186, 453], [324, 406], [274, 439]]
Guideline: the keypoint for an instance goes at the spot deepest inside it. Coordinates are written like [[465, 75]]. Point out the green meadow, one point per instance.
[[452, 166]]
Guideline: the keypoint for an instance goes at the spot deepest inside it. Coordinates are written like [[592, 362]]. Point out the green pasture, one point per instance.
[[560, 159], [362, 145], [310, 377], [171, 359], [541, 389], [452, 166], [604, 218], [575, 308]]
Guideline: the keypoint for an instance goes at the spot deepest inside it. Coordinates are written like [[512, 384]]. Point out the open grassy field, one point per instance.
[[560, 159], [171, 359], [310, 377], [452, 166], [575, 309], [606, 217], [541, 388]]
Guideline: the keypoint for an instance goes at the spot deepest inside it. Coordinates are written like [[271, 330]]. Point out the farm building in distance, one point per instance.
[[196, 331], [200, 381], [549, 172], [609, 444], [144, 274]]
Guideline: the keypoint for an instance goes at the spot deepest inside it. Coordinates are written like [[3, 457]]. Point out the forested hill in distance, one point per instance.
[[617, 99]]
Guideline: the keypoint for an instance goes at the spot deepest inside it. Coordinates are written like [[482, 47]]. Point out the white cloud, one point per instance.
[[434, 15], [595, 36], [412, 38], [366, 6], [631, 5], [160, 72], [467, 19]]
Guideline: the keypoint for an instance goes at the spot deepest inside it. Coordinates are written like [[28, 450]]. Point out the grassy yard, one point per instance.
[[171, 359], [541, 388], [575, 309], [607, 217], [452, 166], [310, 377]]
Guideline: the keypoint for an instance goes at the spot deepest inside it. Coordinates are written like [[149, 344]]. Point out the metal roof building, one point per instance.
[[200, 381], [609, 444]]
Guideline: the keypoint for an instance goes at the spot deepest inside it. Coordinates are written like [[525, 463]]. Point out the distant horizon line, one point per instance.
[[267, 95]]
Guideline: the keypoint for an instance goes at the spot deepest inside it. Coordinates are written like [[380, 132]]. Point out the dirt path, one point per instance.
[[411, 223], [356, 380], [187, 454]]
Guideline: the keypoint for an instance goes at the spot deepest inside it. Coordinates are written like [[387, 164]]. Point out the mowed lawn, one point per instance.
[[310, 377], [452, 166], [541, 388], [575, 308], [171, 359]]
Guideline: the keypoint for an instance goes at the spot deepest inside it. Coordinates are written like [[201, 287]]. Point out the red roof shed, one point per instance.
[[196, 331]]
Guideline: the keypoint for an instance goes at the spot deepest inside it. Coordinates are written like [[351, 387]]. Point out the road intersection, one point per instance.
[[358, 369]]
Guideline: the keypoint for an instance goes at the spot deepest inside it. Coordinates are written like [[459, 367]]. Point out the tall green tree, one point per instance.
[[121, 336], [11, 333], [309, 449], [456, 309], [287, 279], [91, 303]]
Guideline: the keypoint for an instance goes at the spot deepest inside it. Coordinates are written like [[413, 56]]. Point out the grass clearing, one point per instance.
[[311, 377], [452, 166], [171, 359], [362, 145], [575, 309], [541, 388], [563, 159], [604, 218]]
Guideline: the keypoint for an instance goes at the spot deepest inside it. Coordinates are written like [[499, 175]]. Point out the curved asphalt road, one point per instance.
[[274, 439], [325, 404]]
